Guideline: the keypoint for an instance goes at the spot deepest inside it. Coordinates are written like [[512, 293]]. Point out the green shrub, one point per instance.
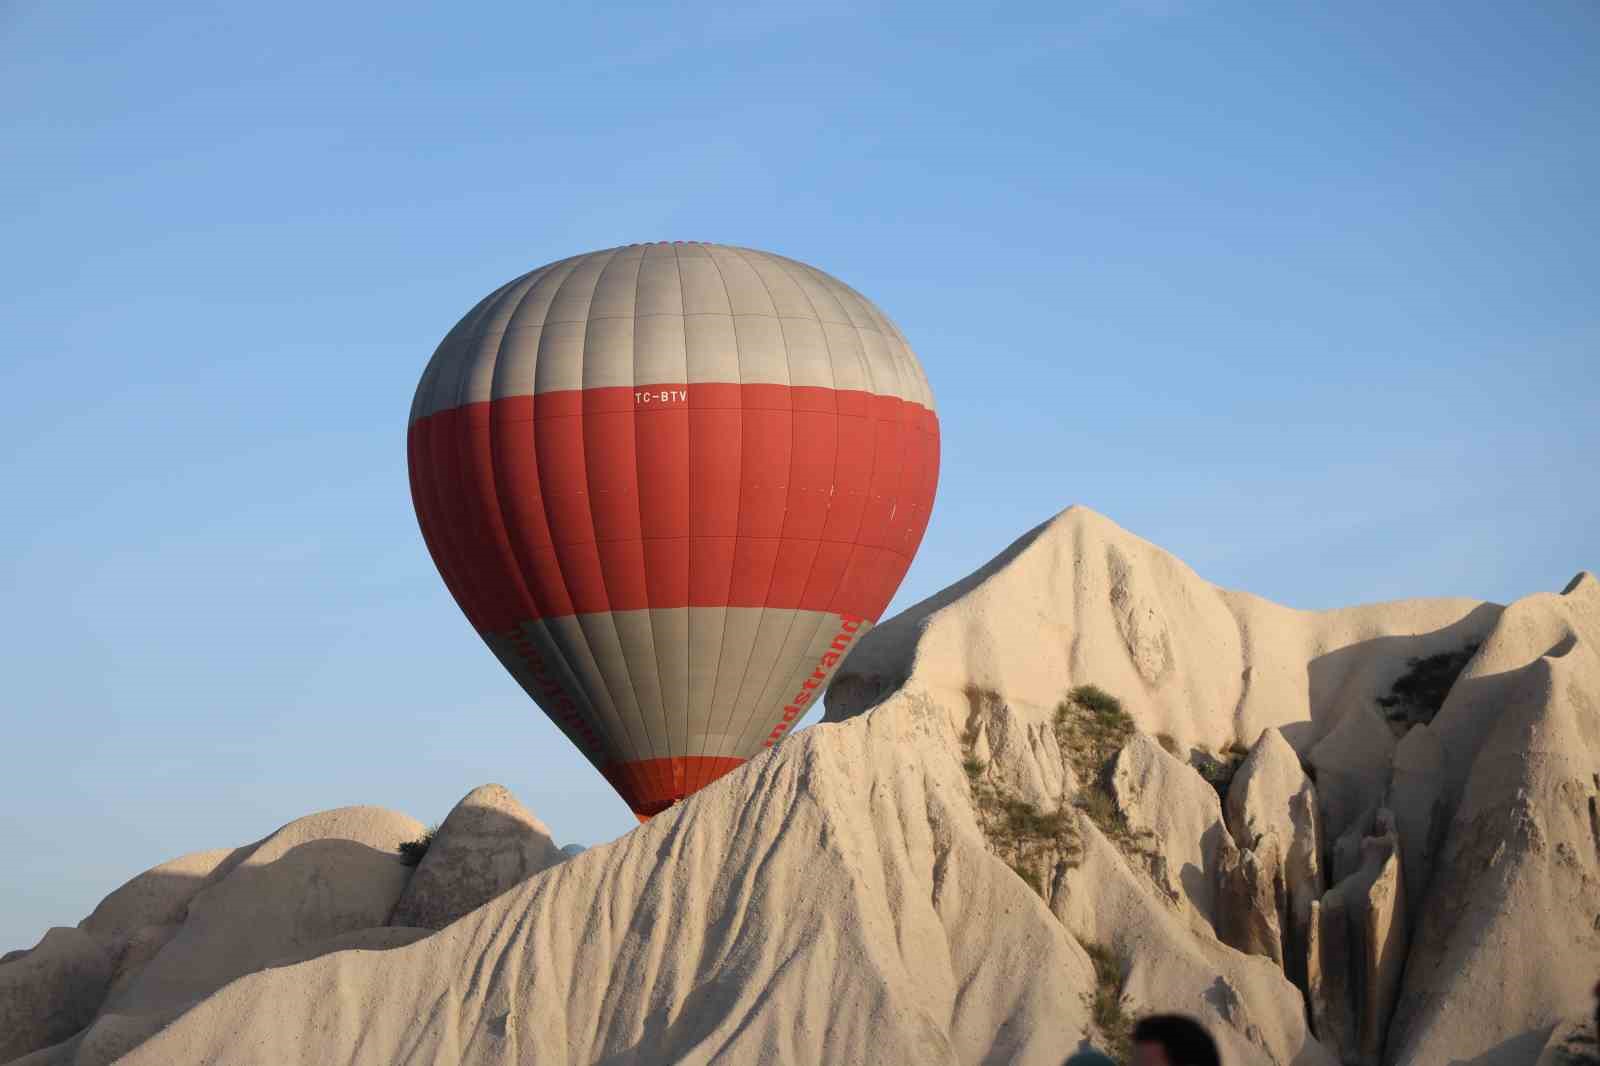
[[412, 851], [1419, 693], [1030, 840], [1097, 700], [1091, 727], [1116, 1027], [1219, 771]]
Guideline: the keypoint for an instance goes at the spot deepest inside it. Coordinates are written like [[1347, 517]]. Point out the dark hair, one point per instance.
[[1185, 1040]]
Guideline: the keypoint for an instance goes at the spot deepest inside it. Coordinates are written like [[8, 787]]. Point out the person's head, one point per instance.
[[1173, 1040]]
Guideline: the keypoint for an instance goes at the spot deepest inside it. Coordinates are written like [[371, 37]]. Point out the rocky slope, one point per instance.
[[976, 859]]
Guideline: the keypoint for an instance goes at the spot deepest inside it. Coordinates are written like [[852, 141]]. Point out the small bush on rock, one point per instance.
[[1419, 693], [1091, 727], [412, 851], [1110, 1017], [1030, 840], [1219, 770]]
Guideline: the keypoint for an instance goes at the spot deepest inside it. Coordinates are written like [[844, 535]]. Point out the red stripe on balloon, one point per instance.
[[650, 786], [676, 495]]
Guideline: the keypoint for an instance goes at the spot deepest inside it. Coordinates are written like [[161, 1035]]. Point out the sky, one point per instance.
[[1304, 294]]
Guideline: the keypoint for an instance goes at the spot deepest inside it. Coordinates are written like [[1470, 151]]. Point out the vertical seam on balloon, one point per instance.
[[688, 432], [825, 284], [460, 542], [738, 372], [834, 476], [872, 392], [583, 437], [897, 364], [810, 662], [789, 480], [638, 502], [577, 617], [522, 574], [625, 735], [767, 596], [898, 368], [618, 733]]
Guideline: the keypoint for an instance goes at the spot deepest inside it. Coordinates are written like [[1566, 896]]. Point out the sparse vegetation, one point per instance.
[[1419, 693], [1091, 727], [1219, 770], [1032, 841], [1168, 744], [412, 851], [1105, 1002]]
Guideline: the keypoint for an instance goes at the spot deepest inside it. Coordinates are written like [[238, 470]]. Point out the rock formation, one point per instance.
[[1357, 947], [1167, 803], [1251, 908], [51, 991], [1367, 891], [488, 843], [1273, 816], [1508, 944]]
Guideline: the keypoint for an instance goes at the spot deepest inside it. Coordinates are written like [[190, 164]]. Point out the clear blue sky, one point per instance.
[[1304, 294]]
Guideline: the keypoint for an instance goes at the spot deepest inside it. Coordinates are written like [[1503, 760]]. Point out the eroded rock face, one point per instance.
[[51, 992], [135, 922], [1140, 619], [1019, 753], [489, 843], [1271, 796], [1352, 766], [1250, 899], [1177, 812], [315, 891], [376, 827], [1357, 952], [1416, 794], [1509, 938], [850, 858]]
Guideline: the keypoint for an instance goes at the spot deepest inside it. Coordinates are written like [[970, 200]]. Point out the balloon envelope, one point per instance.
[[671, 486]]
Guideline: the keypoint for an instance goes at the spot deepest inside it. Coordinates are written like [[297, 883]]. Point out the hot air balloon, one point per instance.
[[672, 485]]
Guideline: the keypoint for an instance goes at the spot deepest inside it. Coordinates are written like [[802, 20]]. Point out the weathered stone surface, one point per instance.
[[376, 827], [1509, 938], [134, 922], [159, 896], [1357, 952], [1415, 796], [1352, 767], [487, 844], [314, 892], [1021, 756], [1171, 803], [1250, 899], [1272, 796], [51, 992]]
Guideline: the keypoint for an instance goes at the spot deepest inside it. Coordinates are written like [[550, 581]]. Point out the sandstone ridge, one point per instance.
[[1078, 785]]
